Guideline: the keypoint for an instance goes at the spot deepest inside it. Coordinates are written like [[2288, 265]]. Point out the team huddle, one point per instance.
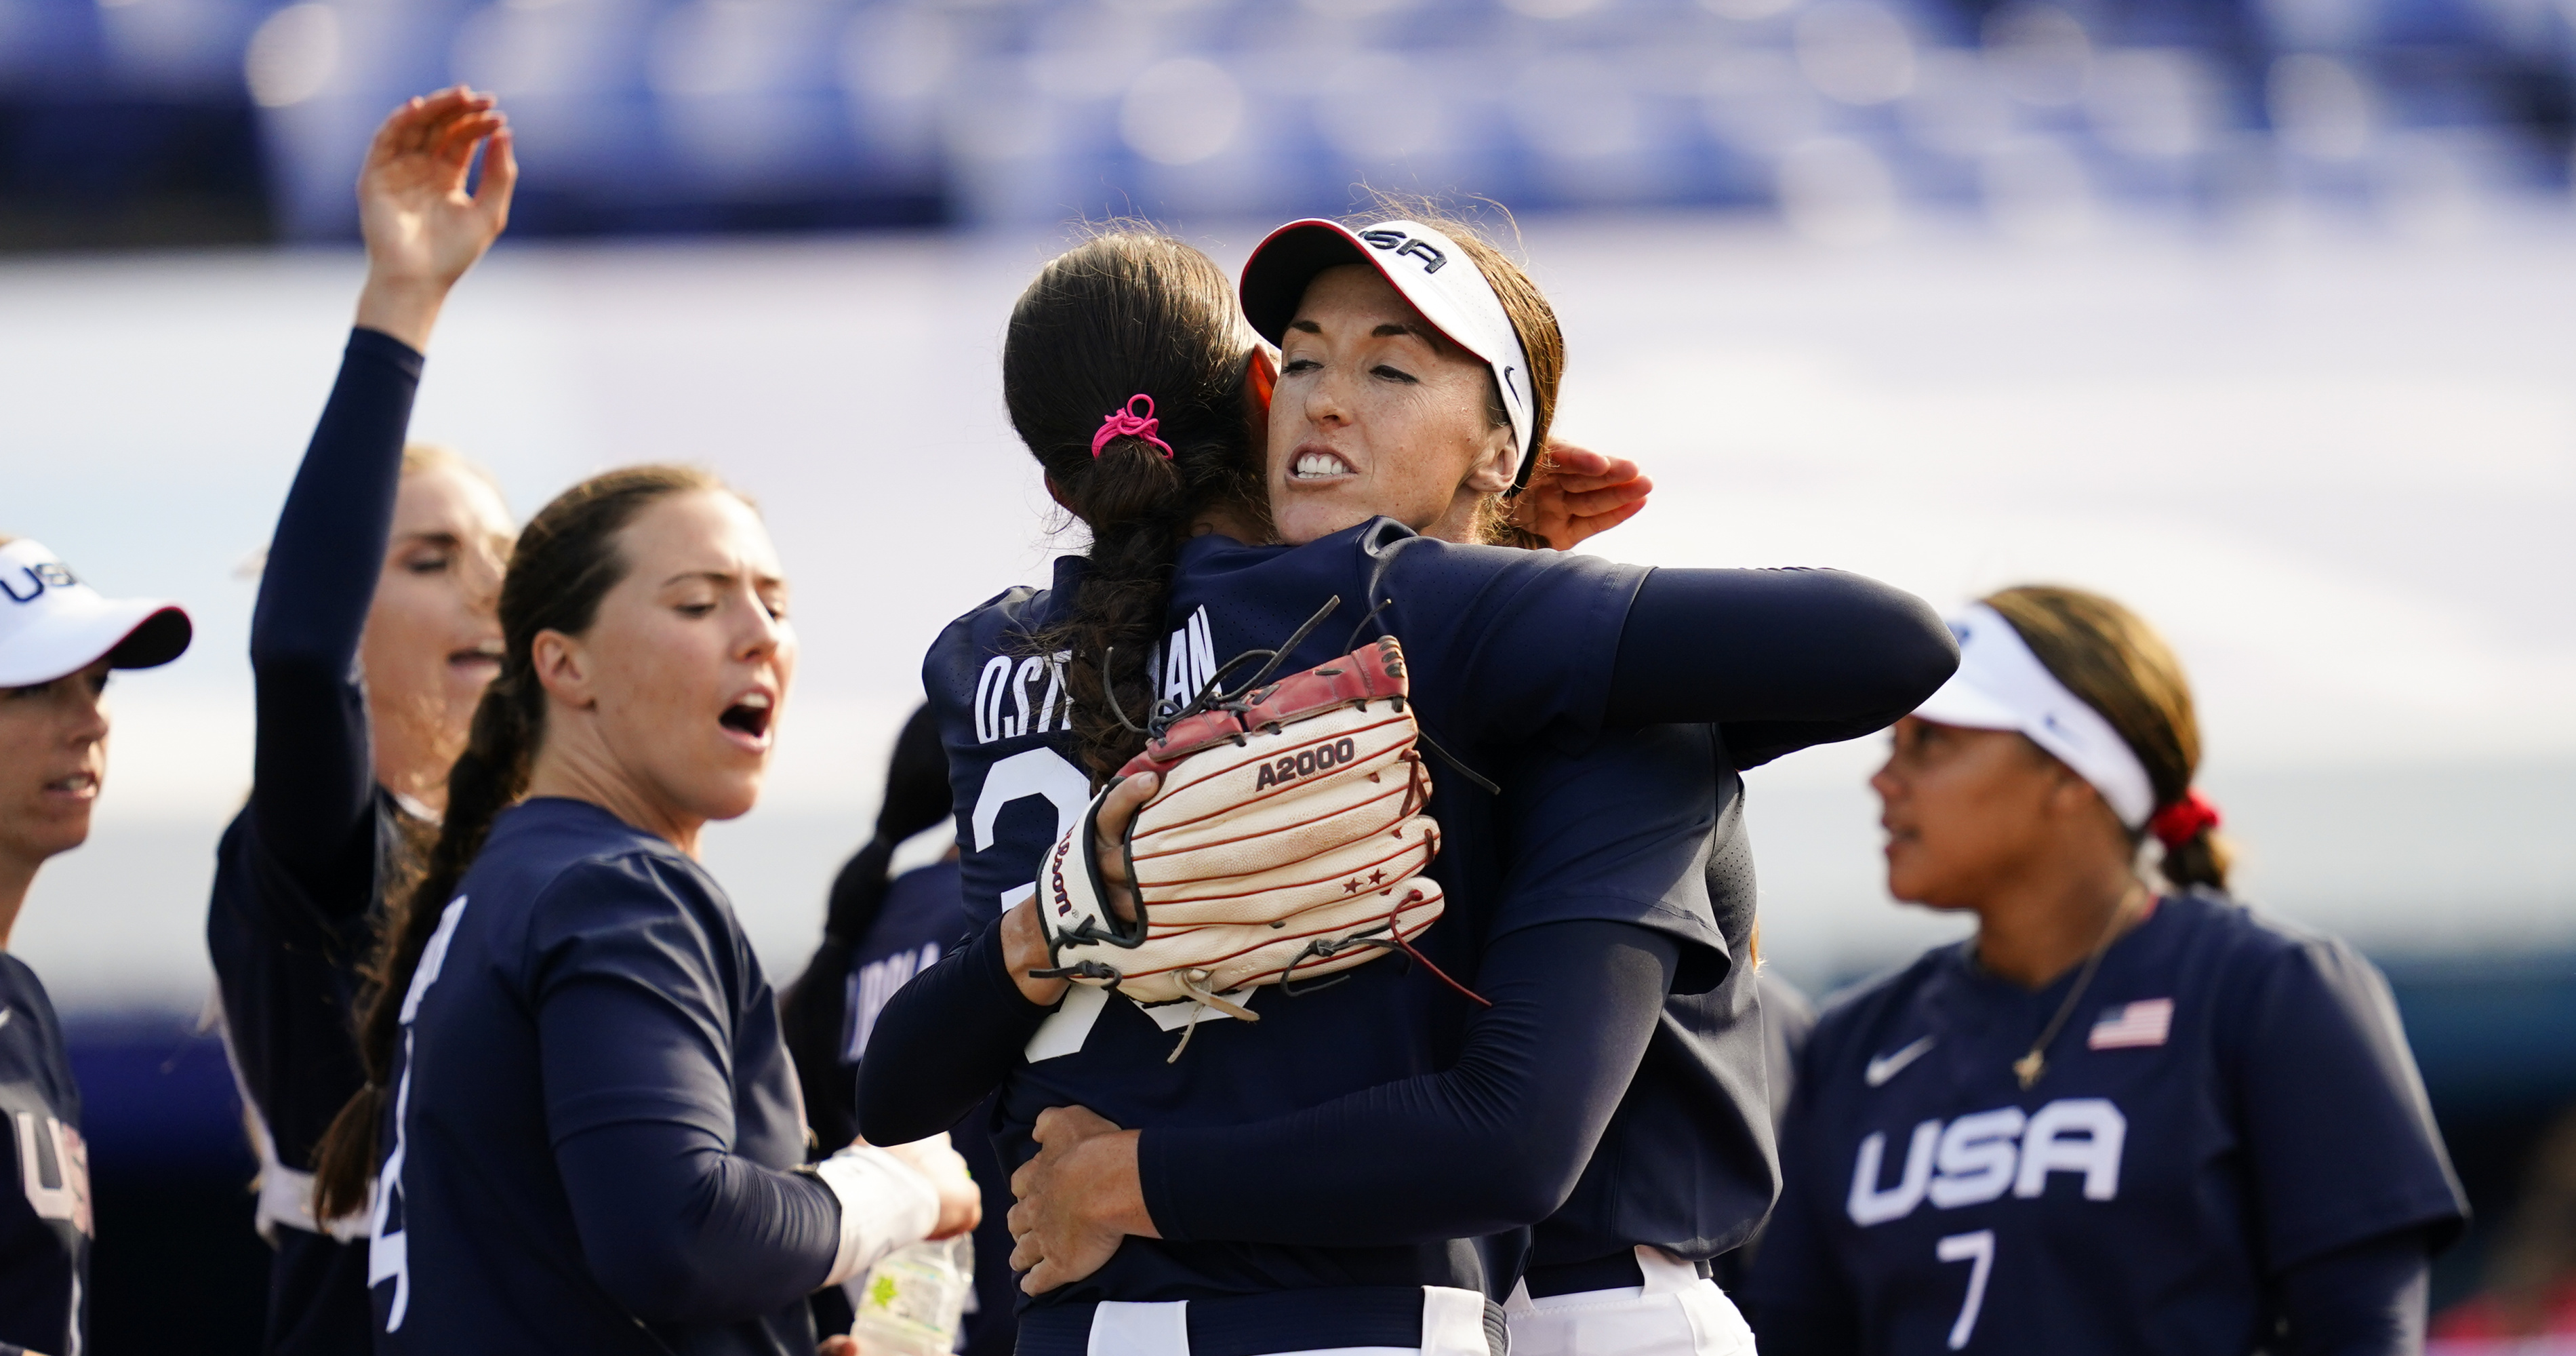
[[1350, 940]]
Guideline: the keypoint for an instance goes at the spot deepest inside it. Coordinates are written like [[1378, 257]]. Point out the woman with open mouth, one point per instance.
[[384, 564], [1330, 1175], [59, 640], [579, 1107]]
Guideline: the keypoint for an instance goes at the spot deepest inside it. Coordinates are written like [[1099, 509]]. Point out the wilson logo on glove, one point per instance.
[[1286, 843]]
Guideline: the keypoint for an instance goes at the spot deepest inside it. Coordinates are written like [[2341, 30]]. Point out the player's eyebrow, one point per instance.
[[727, 578], [1393, 328], [442, 537]]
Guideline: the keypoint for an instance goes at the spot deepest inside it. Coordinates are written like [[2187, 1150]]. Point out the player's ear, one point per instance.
[[1496, 458], [1056, 493], [563, 667]]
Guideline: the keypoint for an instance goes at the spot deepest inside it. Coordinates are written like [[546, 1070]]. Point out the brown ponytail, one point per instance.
[[565, 562], [2117, 664], [1127, 313]]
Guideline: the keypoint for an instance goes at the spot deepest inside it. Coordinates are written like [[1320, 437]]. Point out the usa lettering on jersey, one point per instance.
[[874, 985], [1979, 1157]]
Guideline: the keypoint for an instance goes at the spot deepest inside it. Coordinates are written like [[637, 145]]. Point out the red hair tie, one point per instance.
[[1124, 422], [2184, 820]]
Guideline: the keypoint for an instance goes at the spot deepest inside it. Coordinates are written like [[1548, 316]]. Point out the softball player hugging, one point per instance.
[[1416, 1126], [2118, 1119]]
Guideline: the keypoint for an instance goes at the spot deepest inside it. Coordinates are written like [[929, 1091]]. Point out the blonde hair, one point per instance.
[[2121, 667], [434, 456]]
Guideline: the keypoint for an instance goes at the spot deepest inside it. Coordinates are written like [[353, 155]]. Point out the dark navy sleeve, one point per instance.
[[313, 777], [943, 1043], [1493, 1143], [1781, 659], [2367, 1300], [2339, 1137], [635, 1032]]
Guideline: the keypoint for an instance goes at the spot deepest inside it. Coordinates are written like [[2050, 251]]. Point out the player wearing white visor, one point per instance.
[[59, 638], [2129, 1115]]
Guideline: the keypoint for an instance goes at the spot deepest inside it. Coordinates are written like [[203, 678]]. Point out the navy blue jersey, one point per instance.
[[298, 875], [1459, 611], [922, 919], [2232, 1098], [45, 1225], [594, 1116], [1687, 1162]]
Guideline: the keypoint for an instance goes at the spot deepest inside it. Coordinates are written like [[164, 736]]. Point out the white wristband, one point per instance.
[[885, 1205]]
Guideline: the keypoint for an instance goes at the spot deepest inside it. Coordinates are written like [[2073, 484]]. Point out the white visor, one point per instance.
[[2001, 685], [1423, 264], [52, 624]]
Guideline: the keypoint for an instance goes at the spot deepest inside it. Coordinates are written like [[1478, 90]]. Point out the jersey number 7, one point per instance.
[[1978, 1250]]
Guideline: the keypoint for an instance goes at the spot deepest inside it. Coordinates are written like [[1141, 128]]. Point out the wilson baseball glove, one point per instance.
[[1285, 843]]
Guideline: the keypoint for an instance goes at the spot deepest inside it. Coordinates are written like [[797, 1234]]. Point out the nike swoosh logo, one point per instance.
[[1884, 1067]]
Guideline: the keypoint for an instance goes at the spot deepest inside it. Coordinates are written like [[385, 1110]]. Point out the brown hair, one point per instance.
[[1129, 312], [2117, 664], [566, 562], [1542, 341]]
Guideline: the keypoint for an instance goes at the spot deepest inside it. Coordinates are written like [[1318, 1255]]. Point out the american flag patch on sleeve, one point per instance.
[[2145, 1022]]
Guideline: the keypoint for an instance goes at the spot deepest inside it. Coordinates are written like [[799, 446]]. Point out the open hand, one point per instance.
[[1078, 1199], [1577, 493], [423, 230]]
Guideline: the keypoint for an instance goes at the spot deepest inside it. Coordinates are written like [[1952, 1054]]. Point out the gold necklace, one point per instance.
[[2034, 1063]]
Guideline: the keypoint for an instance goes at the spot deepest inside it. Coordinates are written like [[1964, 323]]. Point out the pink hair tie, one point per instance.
[[1124, 422]]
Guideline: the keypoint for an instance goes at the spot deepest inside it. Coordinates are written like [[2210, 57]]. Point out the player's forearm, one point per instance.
[[1494, 1143], [2367, 1300], [681, 1231], [310, 758], [1807, 646], [943, 1043]]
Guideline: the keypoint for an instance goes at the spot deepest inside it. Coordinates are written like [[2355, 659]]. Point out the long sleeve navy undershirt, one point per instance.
[[313, 778], [1805, 657], [913, 1089], [1494, 1142], [682, 1230], [2365, 1300]]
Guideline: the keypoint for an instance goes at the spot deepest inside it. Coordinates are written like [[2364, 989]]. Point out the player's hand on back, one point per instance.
[[961, 1202], [1077, 1200], [1577, 493], [423, 230]]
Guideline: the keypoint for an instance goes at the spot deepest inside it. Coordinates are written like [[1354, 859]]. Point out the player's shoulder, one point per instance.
[[2217, 931], [552, 849]]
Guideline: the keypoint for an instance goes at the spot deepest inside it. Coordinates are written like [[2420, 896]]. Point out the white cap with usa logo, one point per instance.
[[1427, 268], [52, 624]]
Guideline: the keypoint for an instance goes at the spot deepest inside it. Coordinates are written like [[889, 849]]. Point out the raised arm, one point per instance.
[[312, 760]]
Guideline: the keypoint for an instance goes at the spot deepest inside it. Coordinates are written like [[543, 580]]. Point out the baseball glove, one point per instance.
[[1285, 843]]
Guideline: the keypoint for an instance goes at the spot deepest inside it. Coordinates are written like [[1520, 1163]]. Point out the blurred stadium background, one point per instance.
[[2253, 312]]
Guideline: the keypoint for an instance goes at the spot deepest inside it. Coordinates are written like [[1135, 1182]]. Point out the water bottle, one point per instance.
[[913, 1302]]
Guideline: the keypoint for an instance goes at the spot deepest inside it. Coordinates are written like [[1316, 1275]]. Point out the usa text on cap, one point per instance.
[[1427, 268], [52, 624]]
